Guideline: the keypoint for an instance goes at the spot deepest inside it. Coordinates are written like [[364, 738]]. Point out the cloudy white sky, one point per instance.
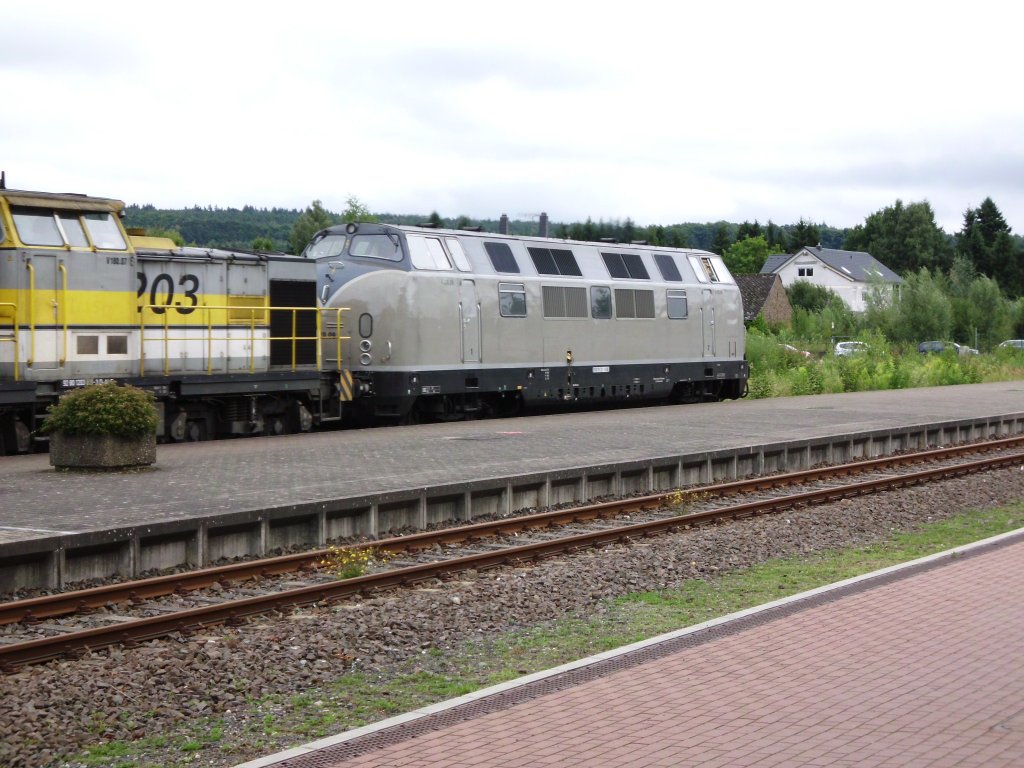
[[660, 112]]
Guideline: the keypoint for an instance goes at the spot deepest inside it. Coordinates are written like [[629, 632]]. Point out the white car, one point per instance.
[[844, 348]]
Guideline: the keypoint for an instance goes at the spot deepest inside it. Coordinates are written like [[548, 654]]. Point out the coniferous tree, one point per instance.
[[803, 234], [776, 237], [986, 240], [746, 229], [722, 241]]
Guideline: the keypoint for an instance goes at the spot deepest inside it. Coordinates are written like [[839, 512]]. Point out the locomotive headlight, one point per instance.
[[365, 359], [365, 345]]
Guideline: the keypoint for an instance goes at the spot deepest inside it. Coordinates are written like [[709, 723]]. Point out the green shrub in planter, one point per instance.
[[102, 426]]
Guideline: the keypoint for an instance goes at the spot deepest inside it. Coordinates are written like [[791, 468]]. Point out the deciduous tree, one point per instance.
[[312, 220]]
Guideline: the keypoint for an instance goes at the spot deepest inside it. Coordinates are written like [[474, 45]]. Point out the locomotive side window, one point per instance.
[[554, 261], [103, 231], [669, 269], [458, 255], [428, 253], [600, 302], [36, 227], [87, 345], [675, 302], [117, 345], [502, 258], [625, 266], [512, 299], [375, 247]]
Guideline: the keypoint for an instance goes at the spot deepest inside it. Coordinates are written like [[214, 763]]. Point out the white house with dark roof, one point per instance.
[[848, 274]]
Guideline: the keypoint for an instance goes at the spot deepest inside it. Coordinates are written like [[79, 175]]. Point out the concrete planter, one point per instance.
[[101, 451]]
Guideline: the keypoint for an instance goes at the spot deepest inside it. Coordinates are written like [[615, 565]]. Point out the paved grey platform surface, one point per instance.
[[195, 480], [918, 666]]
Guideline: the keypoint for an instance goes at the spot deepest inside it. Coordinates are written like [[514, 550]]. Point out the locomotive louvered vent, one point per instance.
[[630, 302], [564, 301], [302, 341]]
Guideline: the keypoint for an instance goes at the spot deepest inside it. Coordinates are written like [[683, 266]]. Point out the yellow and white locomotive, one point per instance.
[[230, 342]]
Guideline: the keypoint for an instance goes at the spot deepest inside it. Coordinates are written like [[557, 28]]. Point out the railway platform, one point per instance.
[[918, 665], [203, 502]]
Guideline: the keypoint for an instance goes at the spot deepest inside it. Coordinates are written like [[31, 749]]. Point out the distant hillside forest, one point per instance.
[[213, 227]]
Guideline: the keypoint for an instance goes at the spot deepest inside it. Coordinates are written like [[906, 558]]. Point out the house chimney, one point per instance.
[[543, 225]]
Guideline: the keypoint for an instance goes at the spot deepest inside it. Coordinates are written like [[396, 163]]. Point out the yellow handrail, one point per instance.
[[31, 313], [258, 320], [14, 339], [62, 309]]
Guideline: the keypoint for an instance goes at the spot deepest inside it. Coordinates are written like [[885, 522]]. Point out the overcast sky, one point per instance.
[[660, 112]]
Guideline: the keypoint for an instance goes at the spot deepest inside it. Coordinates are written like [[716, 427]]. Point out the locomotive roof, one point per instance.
[[71, 201], [407, 228]]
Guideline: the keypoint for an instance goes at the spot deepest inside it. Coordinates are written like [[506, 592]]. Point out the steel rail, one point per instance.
[[59, 604], [18, 654]]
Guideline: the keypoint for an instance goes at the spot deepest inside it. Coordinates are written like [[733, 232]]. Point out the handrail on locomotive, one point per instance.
[[328, 333]]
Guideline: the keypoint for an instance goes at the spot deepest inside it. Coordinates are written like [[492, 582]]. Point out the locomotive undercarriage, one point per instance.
[[191, 409], [433, 396]]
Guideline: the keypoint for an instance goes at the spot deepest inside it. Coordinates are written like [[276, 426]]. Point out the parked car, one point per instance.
[[844, 348], [1012, 344], [938, 347], [790, 349]]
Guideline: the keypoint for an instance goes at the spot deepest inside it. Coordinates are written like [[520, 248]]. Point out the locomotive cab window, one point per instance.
[[512, 299], [36, 227], [326, 247], [72, 229], [704, 269], [502, 258], [103, 231], [428, 253], [376, 247]]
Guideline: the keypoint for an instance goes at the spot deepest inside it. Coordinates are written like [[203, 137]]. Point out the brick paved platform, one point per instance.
[[921, 665]]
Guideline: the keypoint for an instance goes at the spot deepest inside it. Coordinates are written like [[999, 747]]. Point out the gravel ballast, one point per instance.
[[236, 676]]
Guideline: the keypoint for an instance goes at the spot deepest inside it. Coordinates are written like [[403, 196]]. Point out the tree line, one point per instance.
[[904, 237]]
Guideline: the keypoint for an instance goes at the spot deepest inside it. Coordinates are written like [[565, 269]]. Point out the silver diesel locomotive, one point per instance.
[[448, 324]]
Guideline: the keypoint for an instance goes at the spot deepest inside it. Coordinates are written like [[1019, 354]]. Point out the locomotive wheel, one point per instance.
[[197, 432]]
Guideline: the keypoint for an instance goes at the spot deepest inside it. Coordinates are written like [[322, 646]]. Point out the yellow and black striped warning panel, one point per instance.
[[345, 386]]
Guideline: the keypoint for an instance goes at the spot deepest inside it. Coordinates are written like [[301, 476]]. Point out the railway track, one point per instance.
[[42, 628]]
